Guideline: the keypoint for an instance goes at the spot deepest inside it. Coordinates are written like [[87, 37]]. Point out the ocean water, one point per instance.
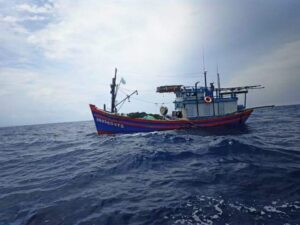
[[65, 174]]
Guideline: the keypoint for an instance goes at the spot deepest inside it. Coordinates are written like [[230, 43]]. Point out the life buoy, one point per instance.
[[163, 110], [207, 99]]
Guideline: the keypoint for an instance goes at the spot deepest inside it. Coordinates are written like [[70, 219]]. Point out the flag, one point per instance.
[[122, 81]]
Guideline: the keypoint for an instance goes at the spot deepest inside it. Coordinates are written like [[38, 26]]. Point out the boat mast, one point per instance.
[[113, 92]]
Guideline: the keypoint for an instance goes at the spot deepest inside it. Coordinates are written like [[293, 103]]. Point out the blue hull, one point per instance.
[[108, 123]]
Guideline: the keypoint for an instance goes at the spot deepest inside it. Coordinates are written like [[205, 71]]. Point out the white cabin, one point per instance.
[[192, 102]]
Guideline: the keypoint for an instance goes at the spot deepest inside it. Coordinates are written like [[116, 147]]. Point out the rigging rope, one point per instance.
[[150, 102], [145, 101]]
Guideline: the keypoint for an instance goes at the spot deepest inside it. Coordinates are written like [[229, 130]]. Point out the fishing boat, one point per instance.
[[194, 107]]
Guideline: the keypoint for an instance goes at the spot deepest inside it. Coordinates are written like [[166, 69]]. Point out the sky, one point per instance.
[[58, 56]]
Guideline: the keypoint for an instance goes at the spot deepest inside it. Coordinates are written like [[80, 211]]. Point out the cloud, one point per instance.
[[99, 36], [105, 34], [31, 97], [57, 56], [14, 20], [278, 71], [46, 8]]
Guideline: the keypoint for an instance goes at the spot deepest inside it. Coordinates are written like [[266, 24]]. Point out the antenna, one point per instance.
[[205, 82], [218, 75], [203, 59], [218, 78]]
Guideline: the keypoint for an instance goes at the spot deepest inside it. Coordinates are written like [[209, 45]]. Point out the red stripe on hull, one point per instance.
[[142, 125], [181, 122], [100, 132]]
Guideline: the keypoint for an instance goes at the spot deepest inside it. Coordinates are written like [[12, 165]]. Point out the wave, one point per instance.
[[67, 174]]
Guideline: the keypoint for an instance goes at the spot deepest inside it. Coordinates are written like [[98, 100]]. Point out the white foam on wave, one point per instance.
[[206, 210], [196, 218], [220, 212], [296, 206], [235, 206], [272, 209]]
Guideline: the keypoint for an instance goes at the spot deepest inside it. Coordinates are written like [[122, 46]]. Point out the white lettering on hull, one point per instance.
[[110, 123]]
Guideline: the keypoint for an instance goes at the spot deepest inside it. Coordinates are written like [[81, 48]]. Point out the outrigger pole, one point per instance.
[[263, 107], [233, 91], [127, 97]]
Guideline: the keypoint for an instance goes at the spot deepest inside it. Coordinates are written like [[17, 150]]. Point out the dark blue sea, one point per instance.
[[65, 174]]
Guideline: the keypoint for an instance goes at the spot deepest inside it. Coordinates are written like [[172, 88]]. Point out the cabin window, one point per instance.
[[178, 105], [178, 94]]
